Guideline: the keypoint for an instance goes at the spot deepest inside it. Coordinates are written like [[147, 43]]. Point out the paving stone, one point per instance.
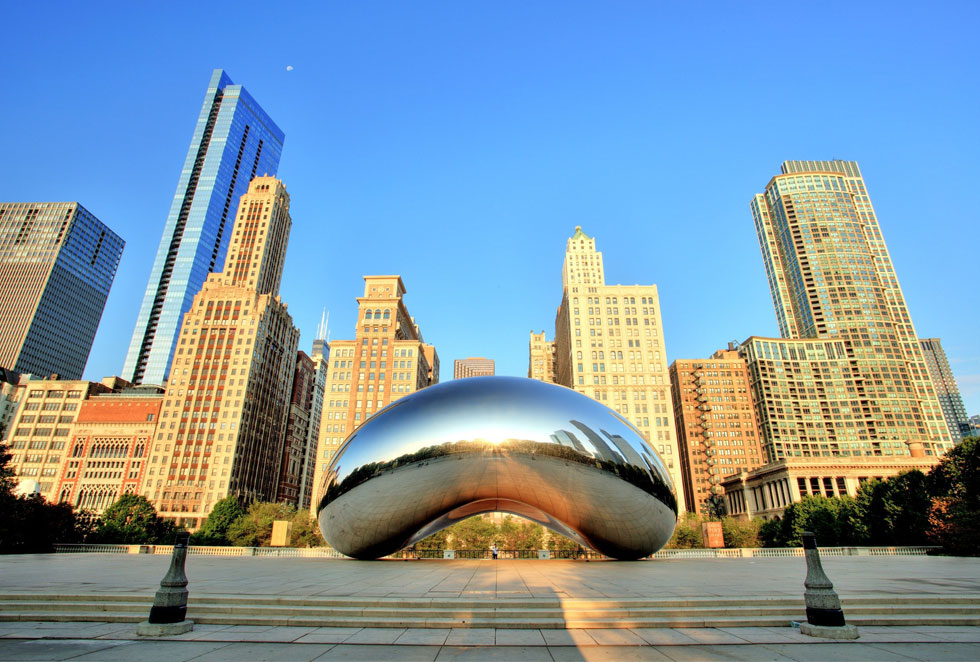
[[615, 637], [610, 653], [423, 636], [153, 651], [568, 638], [471, 637], [54, 650], [502, 653], [505, 637], [369, 653], [262, 652]]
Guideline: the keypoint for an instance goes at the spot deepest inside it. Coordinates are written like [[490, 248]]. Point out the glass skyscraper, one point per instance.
[[848, 376], [234, 141], [57, 263]]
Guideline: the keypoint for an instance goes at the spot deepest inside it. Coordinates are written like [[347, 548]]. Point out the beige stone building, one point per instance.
[[106, 456], [765, 492], [41, 429], [609, 345], [223, 422], [848, 377], [474, 366], [716, 428], [541, 358], [386, 360]]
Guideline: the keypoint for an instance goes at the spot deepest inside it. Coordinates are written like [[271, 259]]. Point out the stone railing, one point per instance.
[[328, 553]]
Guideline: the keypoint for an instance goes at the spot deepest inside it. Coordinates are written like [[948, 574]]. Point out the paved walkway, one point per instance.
[[485, 580], [852, 575], [108, 641]]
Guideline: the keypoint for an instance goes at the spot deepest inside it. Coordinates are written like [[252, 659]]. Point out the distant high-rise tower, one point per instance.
[[609, 345], [224, 421], [541, 358], [57, 263], [947, 391], [474, 366], [387, 360], [233, 142], [848, 378]]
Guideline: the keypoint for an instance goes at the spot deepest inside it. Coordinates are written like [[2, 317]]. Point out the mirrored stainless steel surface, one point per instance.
[[487, 444]]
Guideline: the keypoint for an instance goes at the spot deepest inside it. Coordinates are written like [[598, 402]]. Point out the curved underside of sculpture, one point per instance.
[[486, 444]]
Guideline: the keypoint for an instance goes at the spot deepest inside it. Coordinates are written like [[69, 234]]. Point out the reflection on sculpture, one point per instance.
[[487, 444]]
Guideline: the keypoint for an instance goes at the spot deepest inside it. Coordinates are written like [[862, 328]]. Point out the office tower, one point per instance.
[[609, 345], [106, 455], [234, 141], [57, 262], [297, 430], [716, 429], [321, 365], [40, 430], [974, 426], [223, 425], [857, 382], [947, 392], [387, 359], [541, 358], [474, 366]]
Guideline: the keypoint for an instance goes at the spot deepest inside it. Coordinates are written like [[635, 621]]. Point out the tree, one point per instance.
[[214, 530], [254, 528], [740, 532], [519, 534], [472, 533], [954, 514], [687, 533], [305, 531], [132, 519], [831, 519], [715, 507], [896, 511], [6, 473]]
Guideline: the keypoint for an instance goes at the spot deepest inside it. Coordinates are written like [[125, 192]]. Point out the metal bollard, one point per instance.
[[167, 615], [824, 615]]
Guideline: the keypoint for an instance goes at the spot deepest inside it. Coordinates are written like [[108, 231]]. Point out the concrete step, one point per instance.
[[461, 613]]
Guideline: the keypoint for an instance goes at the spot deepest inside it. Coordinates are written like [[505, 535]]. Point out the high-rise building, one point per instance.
[[609, 345], [947, 391], [57, 263], [321, 365], [474, 366], [233, 142], [541, 358], [974, 426], [387, 360], [716, 428], [848, 376], [223, 423], [40, 430], [297, 430], [106, 454]]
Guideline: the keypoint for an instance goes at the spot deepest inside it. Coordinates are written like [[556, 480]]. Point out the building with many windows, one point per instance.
[[474, 366], [55, 257], [947, 391], [41, 429], [234, 141], [321, 366], [716, 429], [386, 360], [848, 377], [223, 422], [609, 345], [297, 431], [106, 455], [541, 358]]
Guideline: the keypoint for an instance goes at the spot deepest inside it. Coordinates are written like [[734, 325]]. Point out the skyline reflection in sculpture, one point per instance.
[[487, 444]]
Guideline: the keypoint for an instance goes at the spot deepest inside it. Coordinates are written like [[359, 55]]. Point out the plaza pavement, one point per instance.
[[486, 580]]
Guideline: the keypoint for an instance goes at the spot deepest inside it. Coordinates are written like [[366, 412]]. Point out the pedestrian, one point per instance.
[[493, 550]]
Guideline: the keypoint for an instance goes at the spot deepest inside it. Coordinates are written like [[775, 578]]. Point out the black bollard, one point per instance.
[[824, 615], [167, 615]]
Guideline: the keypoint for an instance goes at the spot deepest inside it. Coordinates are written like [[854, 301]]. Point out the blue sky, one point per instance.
[[468, 139]]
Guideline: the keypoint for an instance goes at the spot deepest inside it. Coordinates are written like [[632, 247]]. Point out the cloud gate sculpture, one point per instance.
[[486, 444]]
